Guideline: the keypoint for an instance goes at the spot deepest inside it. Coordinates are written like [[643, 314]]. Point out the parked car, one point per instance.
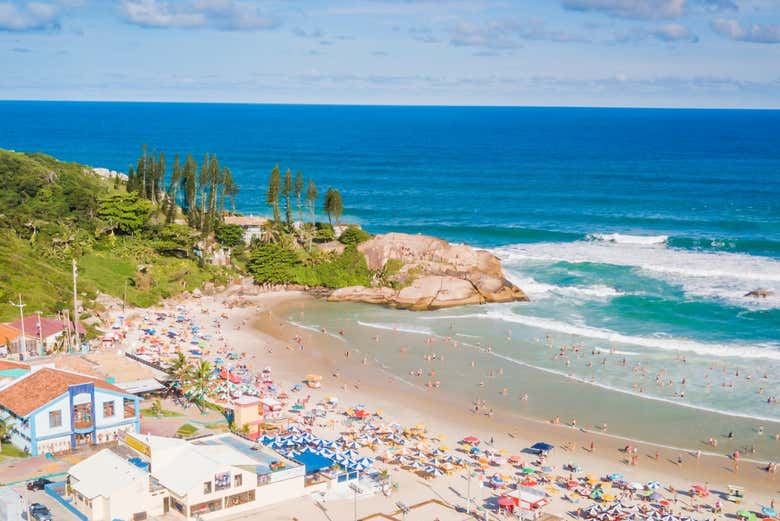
[[40, 512], [37, 484]]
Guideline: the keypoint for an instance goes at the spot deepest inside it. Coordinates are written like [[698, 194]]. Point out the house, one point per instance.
[[252, 226], [215, 476], [11, 370], [129, 491], [51, 410], [8, 335], [41, 333]]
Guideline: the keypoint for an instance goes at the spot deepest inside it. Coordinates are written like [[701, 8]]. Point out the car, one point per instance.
[[38, 484], [40, 512]]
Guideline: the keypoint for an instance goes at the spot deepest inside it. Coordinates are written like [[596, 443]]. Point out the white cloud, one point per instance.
[[506, 34], [227, 15], [756, 33], [29, 16], [640, 9]]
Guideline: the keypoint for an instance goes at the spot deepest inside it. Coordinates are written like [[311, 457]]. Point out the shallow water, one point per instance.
[[520, 360]]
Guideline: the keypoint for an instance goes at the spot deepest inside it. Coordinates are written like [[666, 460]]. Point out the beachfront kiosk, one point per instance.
[[208, 478]]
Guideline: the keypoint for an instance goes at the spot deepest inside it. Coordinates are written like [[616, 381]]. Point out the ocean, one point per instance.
[[636, 233]]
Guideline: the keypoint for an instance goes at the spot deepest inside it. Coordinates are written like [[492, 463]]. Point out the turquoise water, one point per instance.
[[633, 230]]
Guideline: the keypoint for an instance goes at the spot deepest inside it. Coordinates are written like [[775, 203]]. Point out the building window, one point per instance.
[[129, 407], [205, 508], [238, 480], [108, 409], [240, 499], [207, 487], [221, 481], [55, 419]]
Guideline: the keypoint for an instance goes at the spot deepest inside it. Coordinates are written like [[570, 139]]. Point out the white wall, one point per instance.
[[42, 428]]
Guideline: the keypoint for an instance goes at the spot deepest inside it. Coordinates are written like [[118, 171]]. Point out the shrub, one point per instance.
[[230, 235], [354, 235]]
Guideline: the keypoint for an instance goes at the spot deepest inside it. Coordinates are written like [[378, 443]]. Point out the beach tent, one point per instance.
[[313, 462], [542, 447]]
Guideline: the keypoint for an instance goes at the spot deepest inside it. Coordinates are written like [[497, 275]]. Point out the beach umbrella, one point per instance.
[[351, 454], [527, 470], [615, 477], [768, 512], [471, 440], [653, 485], [655, 496]]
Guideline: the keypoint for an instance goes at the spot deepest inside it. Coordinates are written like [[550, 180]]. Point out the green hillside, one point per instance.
[[52, 212]]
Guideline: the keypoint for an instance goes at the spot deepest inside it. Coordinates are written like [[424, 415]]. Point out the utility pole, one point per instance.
[[75, 306], [23, 344], [40, 334]]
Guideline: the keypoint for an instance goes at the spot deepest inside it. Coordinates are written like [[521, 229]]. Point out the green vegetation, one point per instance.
[[354, 236], [163, 413], [124, 238], [186, 430]]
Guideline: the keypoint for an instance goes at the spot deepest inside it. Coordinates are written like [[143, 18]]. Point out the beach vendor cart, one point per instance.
[[736, 494]]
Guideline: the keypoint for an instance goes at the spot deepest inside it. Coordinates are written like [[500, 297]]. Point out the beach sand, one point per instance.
[[260, 330]]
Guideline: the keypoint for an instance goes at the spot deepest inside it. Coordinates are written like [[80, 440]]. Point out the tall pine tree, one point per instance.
[[272, 195]]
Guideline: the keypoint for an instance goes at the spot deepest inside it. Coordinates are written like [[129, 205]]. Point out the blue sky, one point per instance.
[[691, 53]]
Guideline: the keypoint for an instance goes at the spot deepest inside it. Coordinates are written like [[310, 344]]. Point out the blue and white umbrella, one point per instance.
[[653, 485]]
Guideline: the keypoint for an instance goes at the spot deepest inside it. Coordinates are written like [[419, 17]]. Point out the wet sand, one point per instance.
[[368, 384]]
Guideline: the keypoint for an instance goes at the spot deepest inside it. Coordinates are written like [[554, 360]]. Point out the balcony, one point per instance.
[[82, 425]]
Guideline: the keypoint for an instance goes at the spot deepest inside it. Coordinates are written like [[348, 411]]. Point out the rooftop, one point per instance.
[[8, 333], [91, 474], [245, 220], [49, 326], [30, 392]]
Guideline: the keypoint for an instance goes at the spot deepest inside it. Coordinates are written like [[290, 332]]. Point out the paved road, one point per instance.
[[58, 512]]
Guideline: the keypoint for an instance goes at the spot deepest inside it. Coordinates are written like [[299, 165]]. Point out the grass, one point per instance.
[[165, 413], [12, 452], [186, 430]]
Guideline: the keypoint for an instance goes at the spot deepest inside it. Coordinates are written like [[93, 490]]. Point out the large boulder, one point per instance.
[[429, 273]]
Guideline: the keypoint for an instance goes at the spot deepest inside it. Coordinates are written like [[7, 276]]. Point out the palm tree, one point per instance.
[[5, 429], [196, 388], [179, 369], [269, 233]]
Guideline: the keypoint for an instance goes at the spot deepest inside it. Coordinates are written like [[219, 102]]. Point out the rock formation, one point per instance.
[[760, 293], [419, 272]]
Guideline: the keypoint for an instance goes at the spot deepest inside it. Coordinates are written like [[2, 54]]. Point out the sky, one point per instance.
[[650, 53]]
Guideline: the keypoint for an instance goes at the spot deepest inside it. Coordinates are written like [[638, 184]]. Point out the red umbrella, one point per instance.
[[471, 440]]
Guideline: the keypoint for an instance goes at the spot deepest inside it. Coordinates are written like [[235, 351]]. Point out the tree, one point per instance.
[[327, 204], [203, 180], [336, 206], [5, 429], [311, 198], [179, 369], [272, 195], [173, 191], [197, 387], [272, 264], [125, 212], [299, 194], [230, 235], [190, 190], [354, 235], [130, 186], [286, 190], [230, 189]]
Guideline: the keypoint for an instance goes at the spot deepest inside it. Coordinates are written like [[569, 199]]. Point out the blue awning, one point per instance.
[[313, 462]]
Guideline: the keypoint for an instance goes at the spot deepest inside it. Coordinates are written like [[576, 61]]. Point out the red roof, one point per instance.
[[10, 364], [8, 333], [39, 388], [49, 326]]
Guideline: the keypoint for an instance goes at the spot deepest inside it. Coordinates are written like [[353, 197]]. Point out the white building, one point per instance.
[[212, 477]]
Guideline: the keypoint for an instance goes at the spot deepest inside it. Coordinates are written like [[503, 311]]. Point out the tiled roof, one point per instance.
[[245, 220], [42, 386], [8, 333], [10, 364], [49, 326]]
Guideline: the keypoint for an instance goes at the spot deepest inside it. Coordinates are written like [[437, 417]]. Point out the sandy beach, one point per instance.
[[259, 329]]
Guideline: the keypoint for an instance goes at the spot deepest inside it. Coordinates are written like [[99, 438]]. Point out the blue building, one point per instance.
[[52, 410]]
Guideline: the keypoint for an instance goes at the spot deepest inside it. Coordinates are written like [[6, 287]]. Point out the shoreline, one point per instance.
[[507, 427]]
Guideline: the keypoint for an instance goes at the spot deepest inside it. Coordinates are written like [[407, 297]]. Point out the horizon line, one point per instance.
[[400, 105]]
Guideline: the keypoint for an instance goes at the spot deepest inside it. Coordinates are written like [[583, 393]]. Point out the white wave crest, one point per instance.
[[628, 239], [537, 290], [402, 328], [767, 351], [711, 275]]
